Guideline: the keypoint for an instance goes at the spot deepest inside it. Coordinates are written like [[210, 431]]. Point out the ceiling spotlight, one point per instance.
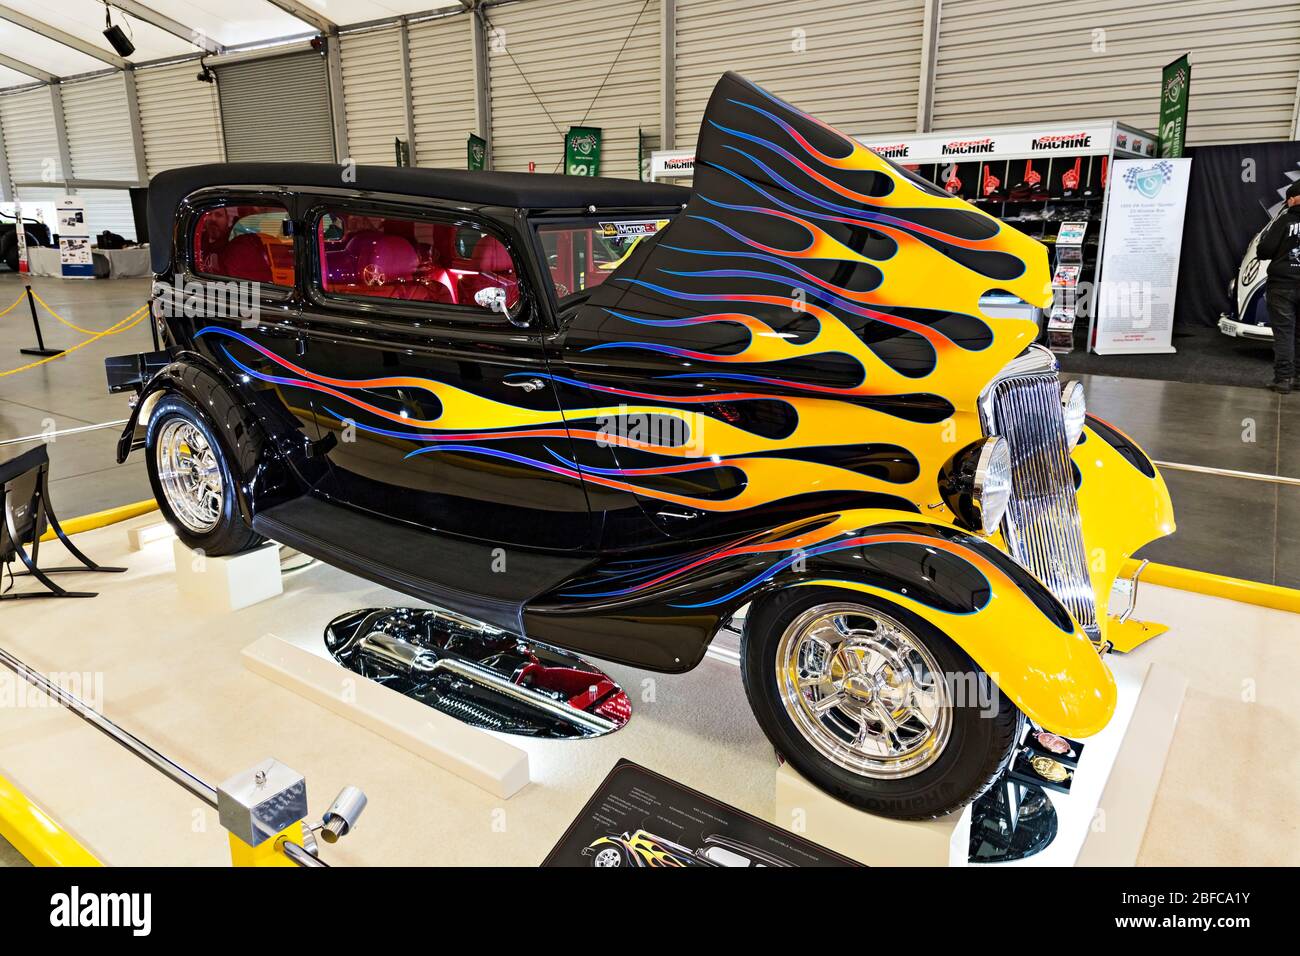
[[206, 76], [118, 40]]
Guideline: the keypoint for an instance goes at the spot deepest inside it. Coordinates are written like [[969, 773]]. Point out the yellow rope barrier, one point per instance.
[[120, 326], [16, 303], [61, 319]]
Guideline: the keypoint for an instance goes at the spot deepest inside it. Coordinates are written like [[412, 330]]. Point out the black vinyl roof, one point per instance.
[[526, 190]]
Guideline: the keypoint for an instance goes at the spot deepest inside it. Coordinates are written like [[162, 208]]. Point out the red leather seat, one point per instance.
[[244, 257], [491, 267]]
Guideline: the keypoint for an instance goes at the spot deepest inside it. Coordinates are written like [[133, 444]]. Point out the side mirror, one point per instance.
[[494, 299]]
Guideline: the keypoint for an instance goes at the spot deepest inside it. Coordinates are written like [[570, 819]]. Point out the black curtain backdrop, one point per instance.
[[1224, 211]]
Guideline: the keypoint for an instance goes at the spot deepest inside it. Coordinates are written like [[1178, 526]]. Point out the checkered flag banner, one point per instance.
[[1164, 168]]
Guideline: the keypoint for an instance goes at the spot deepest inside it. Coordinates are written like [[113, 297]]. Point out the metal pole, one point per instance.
[[105, 726], [36, 324]]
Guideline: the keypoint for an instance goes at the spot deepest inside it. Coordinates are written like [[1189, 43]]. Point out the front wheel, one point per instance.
[[192, 480], [873, 704]]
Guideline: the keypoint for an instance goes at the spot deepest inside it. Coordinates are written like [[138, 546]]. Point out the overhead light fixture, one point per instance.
[[206, 75], [118, 40]]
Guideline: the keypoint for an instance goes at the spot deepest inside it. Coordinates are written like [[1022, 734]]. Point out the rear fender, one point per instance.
[[258, 470], [641, 610]]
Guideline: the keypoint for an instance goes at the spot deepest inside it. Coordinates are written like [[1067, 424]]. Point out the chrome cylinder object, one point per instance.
[[343, 813]]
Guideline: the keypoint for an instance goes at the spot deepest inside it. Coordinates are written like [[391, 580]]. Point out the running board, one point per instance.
[[490, 583]]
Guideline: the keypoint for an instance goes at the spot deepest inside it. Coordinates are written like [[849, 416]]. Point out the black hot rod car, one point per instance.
[[609, 414]]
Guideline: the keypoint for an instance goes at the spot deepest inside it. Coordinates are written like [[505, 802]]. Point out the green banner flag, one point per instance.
[[582, 151], [1175, 84], [476, 152]]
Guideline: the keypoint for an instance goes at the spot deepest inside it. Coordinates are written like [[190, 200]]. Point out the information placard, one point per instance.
[[1139, 267], [75, 258]]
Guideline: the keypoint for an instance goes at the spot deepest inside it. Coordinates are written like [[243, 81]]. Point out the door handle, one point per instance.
[[528, 384]]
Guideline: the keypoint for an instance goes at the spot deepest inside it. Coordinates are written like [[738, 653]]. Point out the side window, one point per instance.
[[244, 242], [412, 259]]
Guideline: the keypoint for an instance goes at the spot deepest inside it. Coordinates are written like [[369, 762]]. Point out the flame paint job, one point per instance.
[[810, 331]]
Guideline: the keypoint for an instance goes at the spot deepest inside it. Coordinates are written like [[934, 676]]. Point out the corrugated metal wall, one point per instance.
[[31, 148], [277, 108], [100, 145], [179, 117], [442, 90], [374, 96], [854, 65], [558, 52], [1002, 62]]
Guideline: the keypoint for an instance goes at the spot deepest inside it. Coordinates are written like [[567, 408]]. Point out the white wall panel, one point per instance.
[[442, 90], [854, 65], [374, 97], [1009, 61], [180, 118], [31, 148], [98, 121], [563, 49]]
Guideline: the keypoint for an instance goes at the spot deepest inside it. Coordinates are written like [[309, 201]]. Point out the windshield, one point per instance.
[[581, 253]]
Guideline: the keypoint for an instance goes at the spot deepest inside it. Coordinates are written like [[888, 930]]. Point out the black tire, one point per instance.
[[231, 534], [979, 748]]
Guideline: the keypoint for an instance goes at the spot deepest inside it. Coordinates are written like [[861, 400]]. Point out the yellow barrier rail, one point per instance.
[[35, 834]]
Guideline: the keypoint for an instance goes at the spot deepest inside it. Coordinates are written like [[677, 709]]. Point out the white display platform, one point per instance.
[[175, 676], [483, 759], [141, 537], [231, 582], [1100, 822]]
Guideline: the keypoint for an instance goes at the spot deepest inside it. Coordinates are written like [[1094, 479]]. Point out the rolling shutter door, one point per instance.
[[564, 50], [179, 117], [277, 108], [373, 97], [1002, 62], [98, 122], [29, 142], [859, 68], [442, 90]]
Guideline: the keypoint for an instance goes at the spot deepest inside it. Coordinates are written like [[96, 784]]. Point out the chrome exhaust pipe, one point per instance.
[[403, 656]]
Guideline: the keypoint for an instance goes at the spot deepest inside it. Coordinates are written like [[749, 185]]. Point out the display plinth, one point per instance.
[[231, 582], [474, 755], [869, 839], [139, 538]]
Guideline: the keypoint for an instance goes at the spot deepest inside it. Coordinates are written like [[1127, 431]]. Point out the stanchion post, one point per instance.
[[36, 324]]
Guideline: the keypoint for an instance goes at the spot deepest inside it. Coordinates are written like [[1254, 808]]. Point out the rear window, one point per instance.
[[582, 254], [415, 260], [246, 242]]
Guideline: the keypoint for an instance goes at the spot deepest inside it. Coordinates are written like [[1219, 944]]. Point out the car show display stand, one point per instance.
[[484, 760], [231, 582], [1101, 820]]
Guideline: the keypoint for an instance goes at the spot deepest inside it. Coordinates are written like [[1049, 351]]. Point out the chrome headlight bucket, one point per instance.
[[1075, 409], [976, 484]]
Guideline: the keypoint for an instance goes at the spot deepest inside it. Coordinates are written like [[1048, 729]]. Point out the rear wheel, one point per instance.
[[192, 480], [873, 704]]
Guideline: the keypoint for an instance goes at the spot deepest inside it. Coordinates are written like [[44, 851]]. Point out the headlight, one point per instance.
[[976, 483], [1076, 410]]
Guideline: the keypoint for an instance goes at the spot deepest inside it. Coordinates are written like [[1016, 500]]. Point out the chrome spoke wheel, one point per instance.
[[608, 857], [190, 475], [863, 690]]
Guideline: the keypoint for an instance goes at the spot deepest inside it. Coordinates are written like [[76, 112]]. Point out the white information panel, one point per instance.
[[1134, 305], [75, 258]]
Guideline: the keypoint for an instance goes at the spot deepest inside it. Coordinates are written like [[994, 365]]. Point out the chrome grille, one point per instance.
[[1042, 525]]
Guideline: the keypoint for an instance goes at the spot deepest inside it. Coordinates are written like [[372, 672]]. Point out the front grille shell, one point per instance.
[[1043, 528]]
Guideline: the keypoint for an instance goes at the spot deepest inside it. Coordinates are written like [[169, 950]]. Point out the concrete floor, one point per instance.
[[1233, 526]]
